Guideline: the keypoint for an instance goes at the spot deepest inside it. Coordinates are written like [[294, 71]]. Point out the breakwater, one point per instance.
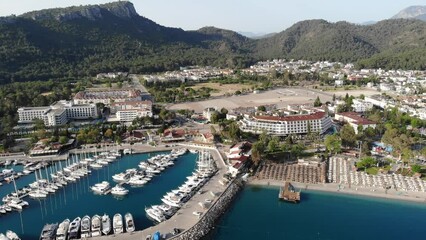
[[208, 220]]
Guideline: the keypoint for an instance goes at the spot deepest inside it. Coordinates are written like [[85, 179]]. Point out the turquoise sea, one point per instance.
[[78, 200], [258, 214]]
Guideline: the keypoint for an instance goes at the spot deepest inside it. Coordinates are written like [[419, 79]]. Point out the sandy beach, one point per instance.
[[363, 191]]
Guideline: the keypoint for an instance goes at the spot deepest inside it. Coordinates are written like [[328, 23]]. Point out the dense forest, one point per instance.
[[70, 43]]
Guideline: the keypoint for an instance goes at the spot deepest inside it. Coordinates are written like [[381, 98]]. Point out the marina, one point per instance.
[[77, 199]]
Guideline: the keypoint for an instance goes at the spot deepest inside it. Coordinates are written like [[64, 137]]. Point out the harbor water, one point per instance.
[[258, 214], [76, 199]]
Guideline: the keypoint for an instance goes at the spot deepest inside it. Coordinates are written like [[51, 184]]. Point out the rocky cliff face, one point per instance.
[[418, 12], [122, 9]]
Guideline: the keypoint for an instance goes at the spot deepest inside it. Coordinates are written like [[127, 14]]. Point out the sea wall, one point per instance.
[[208, 220]]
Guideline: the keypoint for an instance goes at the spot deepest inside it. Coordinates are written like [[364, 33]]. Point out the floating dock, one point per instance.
[[288, 193]]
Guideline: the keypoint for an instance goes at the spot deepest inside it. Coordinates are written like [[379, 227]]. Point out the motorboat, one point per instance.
[[3, 237], [119, 190], [117, 223], [85, 227], [137, 180], [106, 224], [96, 226], [62, 231], [12, 235], [101, 188], [130, 224], [125, 176], [155, 214], [74, 228], [49, 232], [2, 210]]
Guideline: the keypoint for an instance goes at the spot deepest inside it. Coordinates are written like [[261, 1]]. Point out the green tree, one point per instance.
[[273, 144], [108, 133], [261, 108], [416, 168], [348, 136], [366, 162], [257, 151], [317, 102], [333, 143], [63, 139]]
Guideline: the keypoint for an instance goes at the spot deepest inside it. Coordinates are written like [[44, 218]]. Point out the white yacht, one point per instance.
[[74, 228], [96, 226], [124, 176], [101, 188], [106, 224], [155, 214], [12, 235], [117, 223], [85, 227], [130, 224], [137, 180], [119, 190], [62, 231]]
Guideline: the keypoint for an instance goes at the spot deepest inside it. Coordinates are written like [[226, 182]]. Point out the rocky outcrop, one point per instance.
[[122, 9]]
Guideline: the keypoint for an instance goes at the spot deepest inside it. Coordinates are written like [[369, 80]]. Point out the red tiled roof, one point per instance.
[[133, 103], [357, 118], [313, 116]]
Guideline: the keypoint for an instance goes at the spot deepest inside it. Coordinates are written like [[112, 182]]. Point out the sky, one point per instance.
[[256, 16]]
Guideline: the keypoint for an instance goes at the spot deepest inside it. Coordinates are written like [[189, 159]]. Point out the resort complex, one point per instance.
[[282, 126]]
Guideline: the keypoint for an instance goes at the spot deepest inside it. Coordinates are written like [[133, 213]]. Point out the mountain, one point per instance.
[[82, 41], [78, 42], [416, 12], [398, 43]]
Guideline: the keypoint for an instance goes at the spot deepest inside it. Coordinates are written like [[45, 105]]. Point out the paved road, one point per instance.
[[137, 85]]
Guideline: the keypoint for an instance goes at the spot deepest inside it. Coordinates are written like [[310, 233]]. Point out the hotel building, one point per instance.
[[128, 111], [286, 125], [58, 113]]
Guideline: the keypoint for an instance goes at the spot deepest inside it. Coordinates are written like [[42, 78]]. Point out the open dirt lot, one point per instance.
[[221, 89], [282, 97]]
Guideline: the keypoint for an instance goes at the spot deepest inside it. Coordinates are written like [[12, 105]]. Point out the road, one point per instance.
[[137, 85]]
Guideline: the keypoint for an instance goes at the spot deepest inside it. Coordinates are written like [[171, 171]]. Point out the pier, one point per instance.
[[288, 193]]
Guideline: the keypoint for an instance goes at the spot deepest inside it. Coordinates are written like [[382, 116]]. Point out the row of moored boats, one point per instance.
[[87, 227], [174, 200], [138, 177]]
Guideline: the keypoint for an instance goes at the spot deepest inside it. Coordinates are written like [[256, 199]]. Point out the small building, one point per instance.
[[360, 105], [133, 137], [355, 120], [239, 153], [173, 135]]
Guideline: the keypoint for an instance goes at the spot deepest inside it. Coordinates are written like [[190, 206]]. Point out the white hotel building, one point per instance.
[[128, 111], [283, 126], [58, 113]]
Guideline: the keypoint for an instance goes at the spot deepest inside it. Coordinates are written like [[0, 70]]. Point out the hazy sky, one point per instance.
[[239, 15]]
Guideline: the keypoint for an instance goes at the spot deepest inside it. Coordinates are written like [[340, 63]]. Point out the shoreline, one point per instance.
[[417, 197]]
